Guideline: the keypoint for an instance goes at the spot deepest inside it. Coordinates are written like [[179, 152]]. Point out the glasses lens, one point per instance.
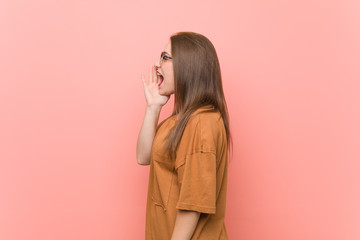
[[162, 57]]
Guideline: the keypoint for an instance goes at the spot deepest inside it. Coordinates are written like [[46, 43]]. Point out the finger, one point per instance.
[[154, 74], [143, 79], [157, 77], [150, 77]]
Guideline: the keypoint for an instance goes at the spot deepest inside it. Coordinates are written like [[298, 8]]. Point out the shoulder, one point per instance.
[[204, 129], [203, 133], [202, 118]]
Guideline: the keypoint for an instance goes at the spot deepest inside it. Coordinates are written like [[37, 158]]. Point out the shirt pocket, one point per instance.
[[163, 179]]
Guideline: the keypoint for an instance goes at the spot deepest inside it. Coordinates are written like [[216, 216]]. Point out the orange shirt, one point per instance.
[[196, 180]]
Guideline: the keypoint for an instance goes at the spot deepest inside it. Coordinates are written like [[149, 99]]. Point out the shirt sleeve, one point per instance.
[[196, 167]]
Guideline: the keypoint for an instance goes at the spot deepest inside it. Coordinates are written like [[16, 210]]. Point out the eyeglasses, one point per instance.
[[164, 57]]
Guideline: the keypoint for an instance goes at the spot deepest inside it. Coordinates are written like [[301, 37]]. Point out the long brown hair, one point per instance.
[[197, 80]]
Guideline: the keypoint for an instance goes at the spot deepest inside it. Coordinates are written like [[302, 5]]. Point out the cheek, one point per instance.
[[168, 71]]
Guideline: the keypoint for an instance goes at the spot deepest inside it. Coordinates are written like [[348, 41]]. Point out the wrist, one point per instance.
[[155, 108]]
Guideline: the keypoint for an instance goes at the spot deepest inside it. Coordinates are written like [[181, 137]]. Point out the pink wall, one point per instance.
[[72, 104]]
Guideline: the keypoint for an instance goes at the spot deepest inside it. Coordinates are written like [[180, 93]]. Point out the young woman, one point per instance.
[[188, 151]]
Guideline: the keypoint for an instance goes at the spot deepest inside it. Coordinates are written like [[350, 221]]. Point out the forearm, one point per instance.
[[185, 224], [147, 134]]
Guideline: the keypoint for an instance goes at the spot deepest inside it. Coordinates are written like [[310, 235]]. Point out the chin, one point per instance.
[[164, 94]]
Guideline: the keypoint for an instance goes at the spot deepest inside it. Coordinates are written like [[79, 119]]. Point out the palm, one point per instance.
[[151, 90]]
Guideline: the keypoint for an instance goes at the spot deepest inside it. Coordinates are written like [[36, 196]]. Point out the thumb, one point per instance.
[[142, 79]]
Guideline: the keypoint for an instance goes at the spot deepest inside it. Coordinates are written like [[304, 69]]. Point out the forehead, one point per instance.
[[167, 48]]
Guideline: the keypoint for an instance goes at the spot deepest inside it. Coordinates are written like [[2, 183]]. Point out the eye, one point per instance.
[[166, 57]]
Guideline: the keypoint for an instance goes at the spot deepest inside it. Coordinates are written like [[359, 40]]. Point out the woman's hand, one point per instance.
[[151, 89]]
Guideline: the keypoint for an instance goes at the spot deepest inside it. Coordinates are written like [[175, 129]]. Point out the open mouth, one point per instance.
[[160, 77]]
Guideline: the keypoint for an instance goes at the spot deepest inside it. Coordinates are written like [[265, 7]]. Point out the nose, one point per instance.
[[157, 63]]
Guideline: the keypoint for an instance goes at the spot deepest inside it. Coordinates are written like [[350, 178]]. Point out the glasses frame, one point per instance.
[[162, 57]]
